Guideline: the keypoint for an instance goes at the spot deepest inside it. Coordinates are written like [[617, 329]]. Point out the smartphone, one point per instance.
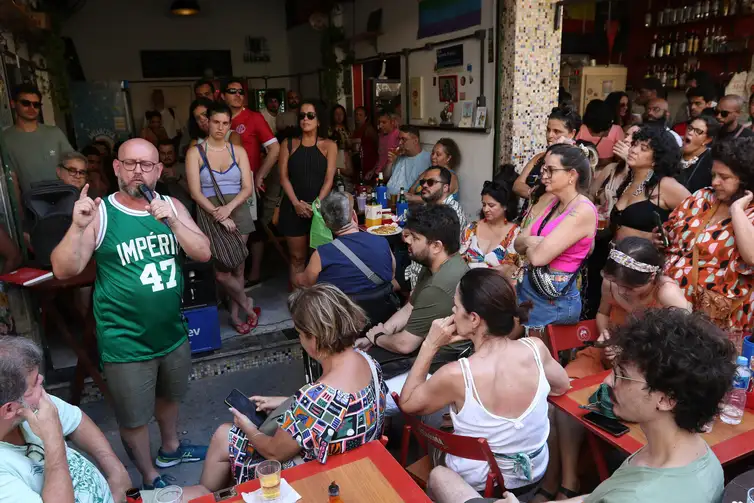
[[612, 426], [242, 404], [660, 229]]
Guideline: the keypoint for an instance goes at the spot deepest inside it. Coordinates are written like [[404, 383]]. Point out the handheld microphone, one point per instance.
[[149, 196]]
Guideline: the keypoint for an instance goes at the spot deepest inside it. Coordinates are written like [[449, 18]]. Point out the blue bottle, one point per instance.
[[401, 208], [381, 191]]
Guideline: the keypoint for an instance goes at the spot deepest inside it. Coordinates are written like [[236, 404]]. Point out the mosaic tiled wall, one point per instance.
[[530, 71]]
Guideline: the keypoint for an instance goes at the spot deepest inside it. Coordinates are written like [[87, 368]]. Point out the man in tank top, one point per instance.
[[141, 335]]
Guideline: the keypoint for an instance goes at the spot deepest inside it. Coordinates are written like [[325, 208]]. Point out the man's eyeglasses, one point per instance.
[[616, 376], [429, 182], [234, 90], [308, 115], [697, 131], [130, 164], [35, 453], [722, 113], [74, 172], [27, 103]]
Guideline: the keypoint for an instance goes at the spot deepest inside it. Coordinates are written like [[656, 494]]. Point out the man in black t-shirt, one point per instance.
[[727, 113]]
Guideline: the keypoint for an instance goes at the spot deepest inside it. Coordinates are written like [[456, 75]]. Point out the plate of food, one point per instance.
[[385, 230]]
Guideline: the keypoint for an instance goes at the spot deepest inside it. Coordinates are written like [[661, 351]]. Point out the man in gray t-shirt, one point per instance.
[[33, 149]]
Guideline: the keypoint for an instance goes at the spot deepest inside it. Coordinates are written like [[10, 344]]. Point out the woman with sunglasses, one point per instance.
[[696, 159], [198, 125], [488, 242], [307, 169], [218, 162], [557, 243], [620, 104], [650, 192], [711, 239], [633, 282]]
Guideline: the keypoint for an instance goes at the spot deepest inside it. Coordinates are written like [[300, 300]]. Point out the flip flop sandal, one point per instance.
[[253, 323], [568, 493], [242, 328], [547, 494]]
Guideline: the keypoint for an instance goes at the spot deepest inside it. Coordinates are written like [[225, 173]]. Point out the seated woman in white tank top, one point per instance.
[[500, 392]]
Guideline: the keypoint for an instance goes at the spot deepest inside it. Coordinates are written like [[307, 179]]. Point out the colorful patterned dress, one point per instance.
[[504, 253], [721, 267], [323, 420]]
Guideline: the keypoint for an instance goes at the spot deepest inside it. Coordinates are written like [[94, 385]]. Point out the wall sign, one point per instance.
[[450, 57]]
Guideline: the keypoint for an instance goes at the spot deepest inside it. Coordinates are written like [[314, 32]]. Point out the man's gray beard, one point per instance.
[[134, 191]]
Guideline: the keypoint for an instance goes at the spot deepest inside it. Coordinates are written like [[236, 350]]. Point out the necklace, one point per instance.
[[643, 184], [560, 212], [685, 164], [216, 149]]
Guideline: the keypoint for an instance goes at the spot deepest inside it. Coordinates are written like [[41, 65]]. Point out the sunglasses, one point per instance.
[[36, 104], [75, 172], [308, 115], [429, 182], [234, 90], [722, 113]]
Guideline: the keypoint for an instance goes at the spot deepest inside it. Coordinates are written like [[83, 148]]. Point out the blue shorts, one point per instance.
[[565, 310]]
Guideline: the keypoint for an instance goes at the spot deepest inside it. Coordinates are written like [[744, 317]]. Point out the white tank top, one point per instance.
[[519, 444]]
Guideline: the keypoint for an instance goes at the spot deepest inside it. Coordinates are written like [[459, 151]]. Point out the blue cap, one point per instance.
[[742, 360]]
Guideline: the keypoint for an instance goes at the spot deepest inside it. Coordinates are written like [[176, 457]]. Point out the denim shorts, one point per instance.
[[565, 310]]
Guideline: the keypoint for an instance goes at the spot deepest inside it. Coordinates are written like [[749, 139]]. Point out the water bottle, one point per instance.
[[735, 401]]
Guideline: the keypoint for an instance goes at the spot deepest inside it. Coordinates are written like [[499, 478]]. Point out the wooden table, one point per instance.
[[728, 442], [369, 474]]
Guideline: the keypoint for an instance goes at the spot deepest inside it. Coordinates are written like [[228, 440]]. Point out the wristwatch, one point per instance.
[[376, 336]]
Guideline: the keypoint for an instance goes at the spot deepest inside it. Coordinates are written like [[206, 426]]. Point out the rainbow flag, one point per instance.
[[437, 17]]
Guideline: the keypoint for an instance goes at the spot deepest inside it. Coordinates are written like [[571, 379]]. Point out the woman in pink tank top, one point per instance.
[[557, 243]]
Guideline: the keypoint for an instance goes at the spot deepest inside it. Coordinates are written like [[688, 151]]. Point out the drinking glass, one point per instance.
[[268, 473], [169, 494], [750, 496]]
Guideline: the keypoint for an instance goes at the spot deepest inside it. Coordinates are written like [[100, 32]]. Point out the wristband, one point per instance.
[[377, 336]]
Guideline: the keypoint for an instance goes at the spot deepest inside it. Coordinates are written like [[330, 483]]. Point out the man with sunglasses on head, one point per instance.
[[34, 149], [255, 134], [407, 163], [727, 113], [141, 336]]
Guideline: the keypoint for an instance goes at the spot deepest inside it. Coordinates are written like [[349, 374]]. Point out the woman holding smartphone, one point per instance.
[[307, 169], [711, 239]]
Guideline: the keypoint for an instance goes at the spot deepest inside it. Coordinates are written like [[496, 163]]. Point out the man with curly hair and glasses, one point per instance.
[[670, 373]]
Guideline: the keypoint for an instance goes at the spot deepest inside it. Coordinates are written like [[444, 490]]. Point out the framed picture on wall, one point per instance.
[[467, 114], [417, 97], [480, 120], [448, 85]]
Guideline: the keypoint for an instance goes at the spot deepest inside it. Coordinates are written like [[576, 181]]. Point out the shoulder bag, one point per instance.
[[227, 247], [716, 306], [540, 277]]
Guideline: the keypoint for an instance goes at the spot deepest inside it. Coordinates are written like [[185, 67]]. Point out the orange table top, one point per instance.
[[369, 474], [728, 442]]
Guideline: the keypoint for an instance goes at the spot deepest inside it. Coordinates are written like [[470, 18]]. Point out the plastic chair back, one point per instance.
[[563, 337]]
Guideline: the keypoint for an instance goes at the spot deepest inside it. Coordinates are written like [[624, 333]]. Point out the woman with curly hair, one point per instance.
[[649, 191], [711, 251]]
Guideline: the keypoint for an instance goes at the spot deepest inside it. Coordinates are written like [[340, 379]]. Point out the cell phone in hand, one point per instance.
[[242, 404], [612, 426], [660, 229]]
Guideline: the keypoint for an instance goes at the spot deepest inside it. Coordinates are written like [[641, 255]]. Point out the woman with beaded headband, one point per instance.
[[633, 281]]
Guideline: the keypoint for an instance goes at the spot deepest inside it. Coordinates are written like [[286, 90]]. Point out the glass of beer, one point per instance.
[[268, 474], [169, 494]]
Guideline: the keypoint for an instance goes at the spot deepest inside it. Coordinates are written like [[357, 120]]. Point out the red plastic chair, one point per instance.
[[563, 337], [464, 447]]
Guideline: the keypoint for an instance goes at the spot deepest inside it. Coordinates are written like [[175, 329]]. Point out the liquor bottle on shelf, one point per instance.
[[675, 77], [687, 9], [726, 8], [705, 9], [697, 43], [653, 47], [733, 8], [714, 8], [706, 41], [668, 45], [648, 74], [648, 19], [697, 12], [673, 45], [682, 45], [660, 52], [682, 76]]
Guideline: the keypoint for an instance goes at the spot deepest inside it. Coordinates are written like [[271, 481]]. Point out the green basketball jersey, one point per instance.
[[137, 293]]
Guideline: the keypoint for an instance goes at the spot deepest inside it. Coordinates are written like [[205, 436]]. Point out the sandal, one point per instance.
[[241, 328], [253, 323], [547, 494], [568, 493]]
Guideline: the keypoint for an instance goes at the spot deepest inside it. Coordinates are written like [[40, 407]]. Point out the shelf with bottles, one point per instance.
[[712, 42], [700, 12]]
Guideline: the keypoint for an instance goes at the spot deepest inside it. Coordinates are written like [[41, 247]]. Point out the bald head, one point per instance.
[[138, 162], [657, 111], [729, 110]]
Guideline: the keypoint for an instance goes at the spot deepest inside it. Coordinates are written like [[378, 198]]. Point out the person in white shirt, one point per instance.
[[170, 122], [36, 465], [270, 110]]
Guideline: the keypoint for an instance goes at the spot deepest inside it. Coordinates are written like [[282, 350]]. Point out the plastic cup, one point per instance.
[[169, 494], [268, 474]]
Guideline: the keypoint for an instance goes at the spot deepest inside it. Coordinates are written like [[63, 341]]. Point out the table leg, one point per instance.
[[599, 456]]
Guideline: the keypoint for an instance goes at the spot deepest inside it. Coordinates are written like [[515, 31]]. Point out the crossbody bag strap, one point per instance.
[[370, 274], [377, 393], [218, 193], [695, 249]]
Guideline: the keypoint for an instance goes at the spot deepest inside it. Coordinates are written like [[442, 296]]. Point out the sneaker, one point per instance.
[[158, 483], [186, 453]]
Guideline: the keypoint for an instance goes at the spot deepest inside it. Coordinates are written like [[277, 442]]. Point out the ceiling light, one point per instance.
[[185, 8]]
